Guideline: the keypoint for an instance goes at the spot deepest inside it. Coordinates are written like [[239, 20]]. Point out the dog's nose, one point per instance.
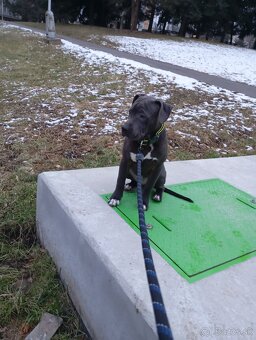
[[125, 130]]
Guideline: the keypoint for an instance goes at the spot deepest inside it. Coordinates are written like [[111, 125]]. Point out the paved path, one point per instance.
[[227, 84]]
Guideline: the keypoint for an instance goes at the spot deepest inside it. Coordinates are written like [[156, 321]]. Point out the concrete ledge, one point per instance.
[[100, 260]]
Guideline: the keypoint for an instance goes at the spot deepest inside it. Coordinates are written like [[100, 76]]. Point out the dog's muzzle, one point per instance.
[[130, 132], [125, 130]]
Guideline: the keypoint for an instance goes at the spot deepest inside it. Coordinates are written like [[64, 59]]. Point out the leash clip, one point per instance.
[[144, 142]]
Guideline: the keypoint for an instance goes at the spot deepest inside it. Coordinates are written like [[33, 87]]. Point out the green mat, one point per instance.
[[201, 238]]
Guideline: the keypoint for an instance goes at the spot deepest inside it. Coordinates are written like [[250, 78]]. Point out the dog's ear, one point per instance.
[[137, 96], [164, 111]]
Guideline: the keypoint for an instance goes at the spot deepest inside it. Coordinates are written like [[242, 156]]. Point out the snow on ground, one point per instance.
[[222, 110], [208, 116], [122, 65], [229, 62], [22, 29], [211, 112]]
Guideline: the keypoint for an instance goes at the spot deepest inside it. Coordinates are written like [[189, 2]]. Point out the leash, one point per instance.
[[162, 323], [173, 193]]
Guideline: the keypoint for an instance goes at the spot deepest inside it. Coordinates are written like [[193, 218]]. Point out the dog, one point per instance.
[[144, 130]]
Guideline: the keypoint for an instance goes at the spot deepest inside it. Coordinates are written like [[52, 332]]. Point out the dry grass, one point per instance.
[[96, 34], [99, 35]]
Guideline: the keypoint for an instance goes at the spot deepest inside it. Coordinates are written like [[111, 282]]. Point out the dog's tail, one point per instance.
[[173, 193]]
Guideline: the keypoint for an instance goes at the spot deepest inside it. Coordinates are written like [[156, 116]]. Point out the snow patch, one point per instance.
[[231, 62]]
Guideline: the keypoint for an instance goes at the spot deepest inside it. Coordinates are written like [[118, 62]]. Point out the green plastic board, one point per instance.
[[200, 238]]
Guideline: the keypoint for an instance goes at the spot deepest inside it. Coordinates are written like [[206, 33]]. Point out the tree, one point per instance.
[[120, 12], [247, 19], [184, 12], [209, 17], [29, 10], [152, 9], [135, 6], [65, 11]]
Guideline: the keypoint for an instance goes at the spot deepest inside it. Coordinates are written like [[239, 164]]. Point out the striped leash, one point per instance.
[[162, 323]]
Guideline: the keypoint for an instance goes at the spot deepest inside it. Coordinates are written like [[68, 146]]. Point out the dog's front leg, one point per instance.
[[118, 193], [149, 185]]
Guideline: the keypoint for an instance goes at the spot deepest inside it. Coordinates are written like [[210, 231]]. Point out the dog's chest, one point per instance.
[[148, 165], [148, 155]]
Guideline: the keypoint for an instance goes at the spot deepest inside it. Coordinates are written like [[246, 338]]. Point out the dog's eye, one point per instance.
[[142, 116]]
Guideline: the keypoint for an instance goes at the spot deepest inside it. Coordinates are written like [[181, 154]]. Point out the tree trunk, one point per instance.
[[198, 31], [231, 33], [90, 13], [152, 14], [222, 37], [183, 27], [122, 20], [164, 27], [134, 14]]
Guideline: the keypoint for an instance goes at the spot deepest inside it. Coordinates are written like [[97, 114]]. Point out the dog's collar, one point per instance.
[[154, 139]]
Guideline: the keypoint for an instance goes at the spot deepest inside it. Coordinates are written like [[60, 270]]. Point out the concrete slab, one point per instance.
[[100, 259], [46, 328]]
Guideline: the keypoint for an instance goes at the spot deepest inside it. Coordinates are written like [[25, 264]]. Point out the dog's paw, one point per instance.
[[145, 207], [113, 202], [157, 198], [128, 187]]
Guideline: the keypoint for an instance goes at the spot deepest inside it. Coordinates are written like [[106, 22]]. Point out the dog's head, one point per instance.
[[146, 116]]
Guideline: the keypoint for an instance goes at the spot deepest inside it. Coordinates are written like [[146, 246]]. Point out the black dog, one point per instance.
[[145, 129]]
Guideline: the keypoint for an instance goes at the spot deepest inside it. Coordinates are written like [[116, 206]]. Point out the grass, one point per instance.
[[29, 282], [39, 84], [97, 34]]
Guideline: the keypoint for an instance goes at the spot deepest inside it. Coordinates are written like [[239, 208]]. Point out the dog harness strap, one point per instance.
[[162, 323]]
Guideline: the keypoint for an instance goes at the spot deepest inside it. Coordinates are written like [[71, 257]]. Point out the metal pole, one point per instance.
[[2, 10], [49, 21]]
